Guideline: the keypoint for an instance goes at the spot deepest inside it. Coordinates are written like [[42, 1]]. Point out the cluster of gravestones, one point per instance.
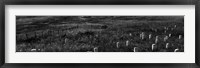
[[156, 40]]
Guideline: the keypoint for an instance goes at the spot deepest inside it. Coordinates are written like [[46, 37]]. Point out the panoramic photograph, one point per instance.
[[99, 33]]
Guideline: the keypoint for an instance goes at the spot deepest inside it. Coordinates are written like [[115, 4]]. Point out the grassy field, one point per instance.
[[99, 33]]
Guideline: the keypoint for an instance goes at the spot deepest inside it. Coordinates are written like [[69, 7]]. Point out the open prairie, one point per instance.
[[99, 33]]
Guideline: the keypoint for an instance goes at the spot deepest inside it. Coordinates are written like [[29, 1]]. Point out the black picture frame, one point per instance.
[[99, 2]]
